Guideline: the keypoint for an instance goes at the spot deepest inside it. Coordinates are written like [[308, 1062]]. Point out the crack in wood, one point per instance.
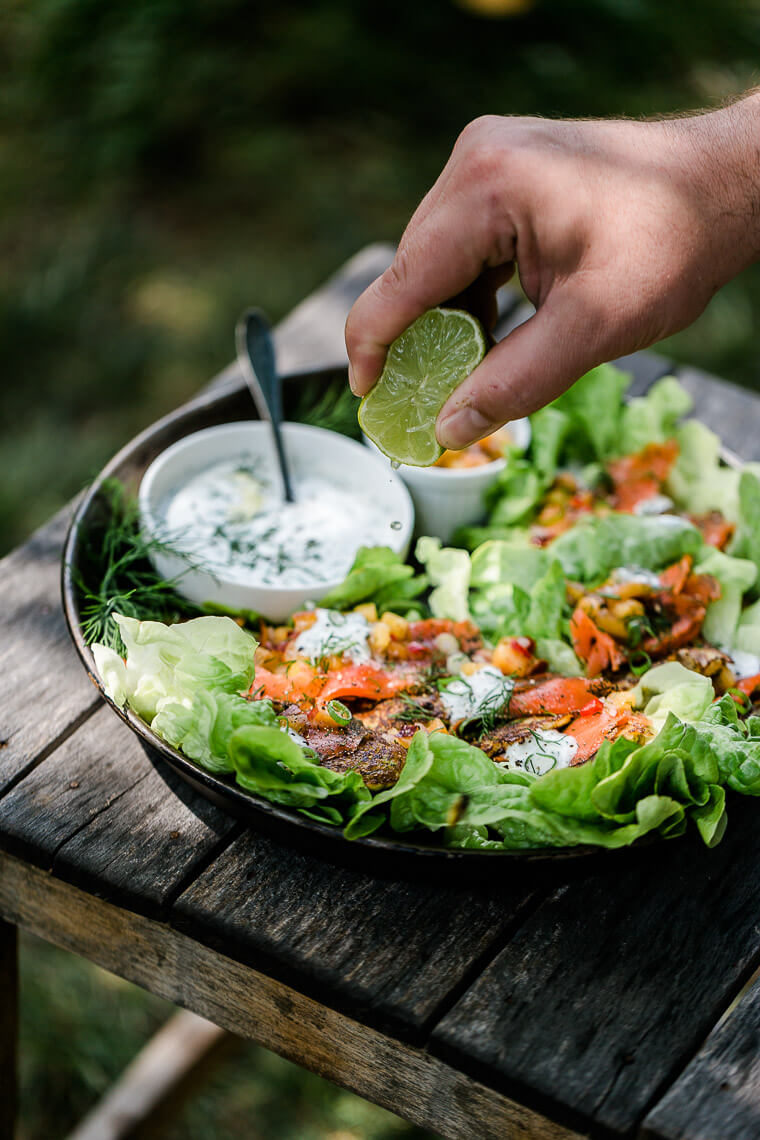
[[678, 1070], [45, 753], [104, 807], [482, 961], [199, 868]]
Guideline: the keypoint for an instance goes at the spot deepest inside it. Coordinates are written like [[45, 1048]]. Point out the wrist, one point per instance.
[[718, 160]]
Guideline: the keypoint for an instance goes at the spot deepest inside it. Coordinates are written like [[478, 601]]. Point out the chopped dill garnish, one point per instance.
[[412, 710], [116, 575]]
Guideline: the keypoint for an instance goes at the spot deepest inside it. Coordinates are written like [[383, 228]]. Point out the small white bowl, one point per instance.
[[446, 498], [311, 451]]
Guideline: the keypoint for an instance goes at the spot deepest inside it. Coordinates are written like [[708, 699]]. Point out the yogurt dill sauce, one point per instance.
[[231, 517]]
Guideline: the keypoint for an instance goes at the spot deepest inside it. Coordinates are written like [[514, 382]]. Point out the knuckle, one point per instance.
[[486, 162], [477, 128], [393, 283]]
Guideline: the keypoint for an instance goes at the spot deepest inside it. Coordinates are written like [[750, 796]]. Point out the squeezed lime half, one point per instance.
[[424, 366]]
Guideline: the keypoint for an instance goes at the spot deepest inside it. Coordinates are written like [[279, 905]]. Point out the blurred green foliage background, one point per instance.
[[163, 164]]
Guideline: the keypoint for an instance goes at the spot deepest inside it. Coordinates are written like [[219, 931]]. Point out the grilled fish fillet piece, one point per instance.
[[495, 743], [377, 759], [352, 746], [394, 715], [703, 659]]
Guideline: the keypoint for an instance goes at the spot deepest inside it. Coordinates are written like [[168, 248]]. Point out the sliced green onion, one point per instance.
[[639, 661], [339, 713]]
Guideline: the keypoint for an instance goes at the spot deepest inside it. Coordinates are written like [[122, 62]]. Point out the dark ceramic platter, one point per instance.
[[383, 854]]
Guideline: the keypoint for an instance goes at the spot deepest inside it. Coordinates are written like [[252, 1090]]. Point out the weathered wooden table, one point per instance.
[[524, 1008]]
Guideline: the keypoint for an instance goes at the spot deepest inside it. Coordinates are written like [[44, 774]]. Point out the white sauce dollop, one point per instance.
[[654, 505], [544, 750], [623, 575], [295, 736], [477, 694], [334, 633], [231, 519], [743, 664]]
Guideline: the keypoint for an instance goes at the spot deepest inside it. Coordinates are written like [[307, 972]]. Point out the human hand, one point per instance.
[[622, 230]]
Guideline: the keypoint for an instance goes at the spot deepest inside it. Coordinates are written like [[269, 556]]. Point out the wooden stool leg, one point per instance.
[[8, 1028]]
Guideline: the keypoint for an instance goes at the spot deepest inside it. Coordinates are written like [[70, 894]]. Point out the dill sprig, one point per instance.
[[116, 575], [412, 710]]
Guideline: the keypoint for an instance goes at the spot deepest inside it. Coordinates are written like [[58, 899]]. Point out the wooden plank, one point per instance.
[[154, 1087], [730, 411], [719, 1092], [608, 988], [391, 951], [8, 1027], [100, 812], [402, 1078], [44, 692]]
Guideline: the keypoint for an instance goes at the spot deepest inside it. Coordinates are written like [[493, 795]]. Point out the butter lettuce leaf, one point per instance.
[[269, 763], [449, 570], [596, 545], [736, 577], [594, 406], [201, 726], [377, 575], [206, 653], [653, 418]]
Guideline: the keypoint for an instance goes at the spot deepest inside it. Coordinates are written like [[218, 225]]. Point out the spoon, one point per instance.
[[255, 354]]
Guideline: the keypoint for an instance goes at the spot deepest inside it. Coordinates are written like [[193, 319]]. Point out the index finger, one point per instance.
[[436, 259]]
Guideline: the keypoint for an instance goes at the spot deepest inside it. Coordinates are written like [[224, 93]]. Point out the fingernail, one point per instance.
[[463, 427], [351, 380]]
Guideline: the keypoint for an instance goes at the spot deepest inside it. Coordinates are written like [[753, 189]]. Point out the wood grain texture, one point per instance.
[[388, 951], [718, 1095], [8, 1027], [404, 1079], [44, 693], [101, 813], [732, 412], [608, 988]]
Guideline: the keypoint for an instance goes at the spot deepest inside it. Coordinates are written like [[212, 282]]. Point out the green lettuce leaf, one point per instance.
[[597, 545], [671, 688], [449, 571], [201, 726], [269, 763], [653, 418], [496, 563], [515, 494], [746, 543], [698, 483], [747, 634], [594, 405], [736, 576], [550, 428], [206, 653], [365, 818], [459, 785], [377, 575]]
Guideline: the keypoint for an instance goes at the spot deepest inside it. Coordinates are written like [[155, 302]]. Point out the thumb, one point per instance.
[[438, 260], [532, 365]]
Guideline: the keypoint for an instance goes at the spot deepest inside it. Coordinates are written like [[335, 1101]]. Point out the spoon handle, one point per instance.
[[255, 353]]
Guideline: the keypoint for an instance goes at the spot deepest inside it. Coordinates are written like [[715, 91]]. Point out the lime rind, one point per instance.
[[423, 367]]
